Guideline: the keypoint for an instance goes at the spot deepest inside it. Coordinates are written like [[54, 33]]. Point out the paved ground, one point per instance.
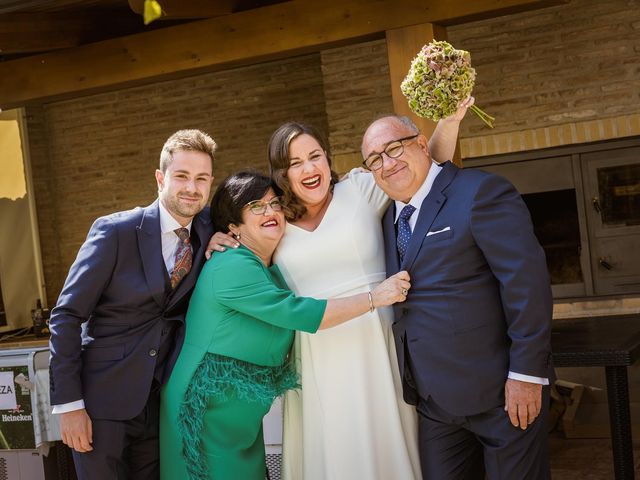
[[584, 459]]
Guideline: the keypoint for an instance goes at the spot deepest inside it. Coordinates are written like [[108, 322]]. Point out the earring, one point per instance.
[[237, 235]]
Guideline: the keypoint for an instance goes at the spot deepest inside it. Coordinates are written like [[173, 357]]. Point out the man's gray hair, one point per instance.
[[408, 123]]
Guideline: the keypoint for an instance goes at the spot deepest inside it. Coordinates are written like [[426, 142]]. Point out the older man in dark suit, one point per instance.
[[473, 337], [116, 328]]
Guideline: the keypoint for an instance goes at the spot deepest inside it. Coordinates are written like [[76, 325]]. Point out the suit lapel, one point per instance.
[[389, 232], [429, 209], [150, 248], [200, 235]]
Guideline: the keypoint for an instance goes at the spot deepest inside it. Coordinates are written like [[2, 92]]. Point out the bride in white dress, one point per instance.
[[349, 420]]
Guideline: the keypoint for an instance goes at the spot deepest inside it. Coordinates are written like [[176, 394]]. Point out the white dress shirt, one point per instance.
[[169, 238], [416, 201], [169, 241], [419, 196]]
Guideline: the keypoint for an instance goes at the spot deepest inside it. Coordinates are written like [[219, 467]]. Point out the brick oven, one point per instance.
[[584, 201]]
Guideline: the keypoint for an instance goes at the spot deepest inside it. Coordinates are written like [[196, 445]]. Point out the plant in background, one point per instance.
[[439, 79]]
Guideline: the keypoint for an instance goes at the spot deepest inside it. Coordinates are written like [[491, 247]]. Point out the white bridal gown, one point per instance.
[[349, 421]]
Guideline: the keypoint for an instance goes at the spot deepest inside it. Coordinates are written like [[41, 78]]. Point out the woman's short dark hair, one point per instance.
[[233, 194], [279, 163]]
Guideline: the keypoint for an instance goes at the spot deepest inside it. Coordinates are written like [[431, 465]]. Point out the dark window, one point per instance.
[[555, 221], [619, 191]]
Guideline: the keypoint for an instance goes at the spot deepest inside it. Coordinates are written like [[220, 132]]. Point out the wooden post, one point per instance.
[[402, 46]]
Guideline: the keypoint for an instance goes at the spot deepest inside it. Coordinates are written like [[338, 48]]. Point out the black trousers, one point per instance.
[[124, 449], [466, 448]]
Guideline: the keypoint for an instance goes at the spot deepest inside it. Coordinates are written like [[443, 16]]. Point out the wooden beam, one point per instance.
[[247, 37], [40, 32], [402, 46], [181, 9], [17, 5], [188, 8], [7, 6]]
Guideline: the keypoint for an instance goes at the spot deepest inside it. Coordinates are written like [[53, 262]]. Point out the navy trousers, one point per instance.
[[124, 449], [466, 448]]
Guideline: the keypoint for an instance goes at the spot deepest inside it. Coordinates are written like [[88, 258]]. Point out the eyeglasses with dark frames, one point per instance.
[[393, 149], [258, 207]]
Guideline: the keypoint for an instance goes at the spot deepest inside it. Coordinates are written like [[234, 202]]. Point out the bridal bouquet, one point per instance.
[[439, 79]]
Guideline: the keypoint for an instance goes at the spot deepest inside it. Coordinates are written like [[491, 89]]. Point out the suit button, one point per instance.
[[153, 352]]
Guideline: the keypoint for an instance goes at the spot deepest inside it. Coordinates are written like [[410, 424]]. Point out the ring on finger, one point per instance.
[[404, 291]]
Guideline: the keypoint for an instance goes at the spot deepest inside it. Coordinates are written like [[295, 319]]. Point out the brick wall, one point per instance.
[[45, 187], [556, 76], [97, 154], [357, 89], [560, 75]]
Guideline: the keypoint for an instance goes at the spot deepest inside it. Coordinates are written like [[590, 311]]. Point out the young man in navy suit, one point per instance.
[[473, 336], [117, 327]]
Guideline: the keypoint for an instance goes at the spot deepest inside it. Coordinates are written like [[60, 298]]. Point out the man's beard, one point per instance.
[[174, 205]]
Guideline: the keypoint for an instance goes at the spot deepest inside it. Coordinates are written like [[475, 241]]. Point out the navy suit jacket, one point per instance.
[[480, 301], [112, 313]]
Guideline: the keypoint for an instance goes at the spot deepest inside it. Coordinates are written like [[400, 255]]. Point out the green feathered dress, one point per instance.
[[239, 329]]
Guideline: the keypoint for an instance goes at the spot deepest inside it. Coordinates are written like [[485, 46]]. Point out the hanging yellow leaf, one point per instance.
[[152, 11]]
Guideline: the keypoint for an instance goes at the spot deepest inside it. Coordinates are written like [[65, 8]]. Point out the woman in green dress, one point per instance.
[[239, 329]]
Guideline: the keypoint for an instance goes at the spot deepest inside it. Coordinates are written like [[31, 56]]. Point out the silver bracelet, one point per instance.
[[371, 307]]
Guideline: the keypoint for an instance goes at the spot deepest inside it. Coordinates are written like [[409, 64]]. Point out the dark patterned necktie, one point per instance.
[[183, 257], [404, 229]]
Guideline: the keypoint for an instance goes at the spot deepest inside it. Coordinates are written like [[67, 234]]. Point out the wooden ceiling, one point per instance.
[[36, 26], [52, 50]]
